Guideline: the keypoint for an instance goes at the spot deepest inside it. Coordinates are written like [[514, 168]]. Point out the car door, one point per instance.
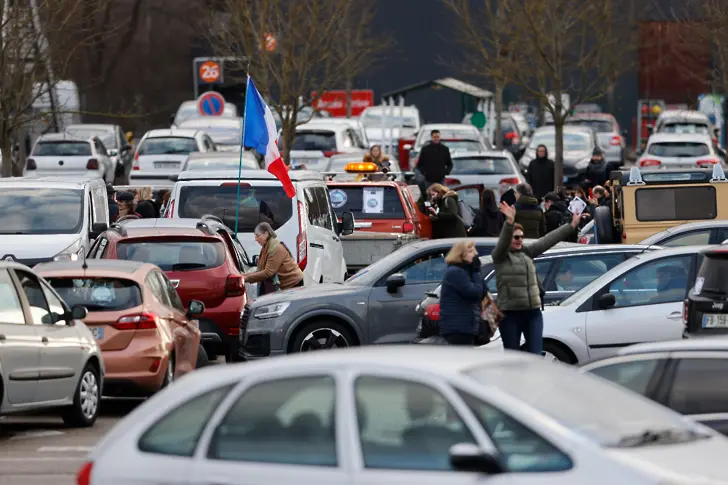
[[643, 374], [648, 306], [319, 238], [337, 265], [178, 312], [573, 273], [60, 353], [157, 282], [391, 316], [19, 344]]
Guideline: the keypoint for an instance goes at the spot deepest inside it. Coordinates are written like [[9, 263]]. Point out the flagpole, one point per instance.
[[242, 149]]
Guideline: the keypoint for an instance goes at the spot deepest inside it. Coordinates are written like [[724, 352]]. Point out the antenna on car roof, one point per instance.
[[84, 265]]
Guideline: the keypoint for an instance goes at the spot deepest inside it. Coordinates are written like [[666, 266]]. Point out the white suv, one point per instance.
[[317, 141], [306, 224], [73, 156], [161, 153]]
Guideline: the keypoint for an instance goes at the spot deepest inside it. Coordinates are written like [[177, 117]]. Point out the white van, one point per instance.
[[306, 224], [50, 218]]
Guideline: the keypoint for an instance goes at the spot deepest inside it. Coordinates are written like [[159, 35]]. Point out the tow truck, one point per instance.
[[386, 212]]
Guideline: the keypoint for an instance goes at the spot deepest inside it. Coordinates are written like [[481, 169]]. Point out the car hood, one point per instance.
[[328, 291], [34, 246]]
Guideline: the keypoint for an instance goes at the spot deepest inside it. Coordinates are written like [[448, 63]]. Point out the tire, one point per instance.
[[603, 225], [326, 335], [169, 372], [202, 358], [86, 400], [557, 351]]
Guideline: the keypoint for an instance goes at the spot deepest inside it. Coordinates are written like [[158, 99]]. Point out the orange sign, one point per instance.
[[210, 71], [270, 42]]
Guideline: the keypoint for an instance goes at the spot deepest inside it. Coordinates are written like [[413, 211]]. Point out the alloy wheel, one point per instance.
[[89, 395], [323, 339]]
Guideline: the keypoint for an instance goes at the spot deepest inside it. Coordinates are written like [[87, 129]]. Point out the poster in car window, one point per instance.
[[373, 200]]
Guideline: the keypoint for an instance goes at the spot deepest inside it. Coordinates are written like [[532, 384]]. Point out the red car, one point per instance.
[[203, 261]]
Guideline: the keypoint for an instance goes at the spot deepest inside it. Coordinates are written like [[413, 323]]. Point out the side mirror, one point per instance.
[[467, 457], [196, 308], [254, 261], [407, 146], [113, 152], [78, 312], [395, 282], [98, 227], [347, 224], [606, 301]]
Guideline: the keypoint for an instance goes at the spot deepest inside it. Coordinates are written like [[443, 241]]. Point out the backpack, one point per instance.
[[465, 214], [565, 218]]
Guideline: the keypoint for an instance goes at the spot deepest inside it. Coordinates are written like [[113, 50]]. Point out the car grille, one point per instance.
[[244, 321], [258, 345]]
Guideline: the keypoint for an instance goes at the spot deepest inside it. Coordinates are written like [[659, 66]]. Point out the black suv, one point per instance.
[[705, 311]]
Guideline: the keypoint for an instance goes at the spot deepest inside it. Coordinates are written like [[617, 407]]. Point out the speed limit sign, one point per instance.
[[210, 72]]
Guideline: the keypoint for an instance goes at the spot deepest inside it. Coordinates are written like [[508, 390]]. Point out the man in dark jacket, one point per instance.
[[557, 214], [435, 162], [529, 213], [113, 205], [540, 175], [596, 171]]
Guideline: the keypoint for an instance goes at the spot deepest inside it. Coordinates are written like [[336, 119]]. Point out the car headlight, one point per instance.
[[71, 253], [272, 311]]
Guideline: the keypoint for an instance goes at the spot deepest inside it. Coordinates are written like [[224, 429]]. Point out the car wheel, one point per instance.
[[553, 352], [169, 372], [202, 358], [86, 400], [322, 335]]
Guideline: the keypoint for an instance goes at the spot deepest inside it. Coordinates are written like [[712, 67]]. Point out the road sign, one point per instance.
[[211, 103], [478, 120], [210, 72]]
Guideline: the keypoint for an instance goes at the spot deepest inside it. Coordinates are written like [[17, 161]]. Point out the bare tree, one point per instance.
[[290, 48], [488, 35]]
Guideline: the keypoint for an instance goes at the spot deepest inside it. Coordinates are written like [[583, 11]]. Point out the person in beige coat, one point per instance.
[[277, 270]]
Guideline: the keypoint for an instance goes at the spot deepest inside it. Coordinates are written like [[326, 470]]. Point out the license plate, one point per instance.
[[98, 332], [715, 320], [167, 164]]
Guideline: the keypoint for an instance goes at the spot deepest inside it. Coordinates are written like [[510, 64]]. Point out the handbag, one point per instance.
[[490, 314], [271, 285]]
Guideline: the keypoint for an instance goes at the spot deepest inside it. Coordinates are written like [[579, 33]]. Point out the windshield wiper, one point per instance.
[[180, 266], [666, 436]]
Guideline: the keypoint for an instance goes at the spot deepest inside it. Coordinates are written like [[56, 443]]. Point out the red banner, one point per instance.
[[335, 102]]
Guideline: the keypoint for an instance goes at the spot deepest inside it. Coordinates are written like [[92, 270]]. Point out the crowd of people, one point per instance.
[[141, 203]]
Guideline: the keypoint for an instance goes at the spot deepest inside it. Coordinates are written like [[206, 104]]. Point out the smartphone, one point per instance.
[[428, 204]]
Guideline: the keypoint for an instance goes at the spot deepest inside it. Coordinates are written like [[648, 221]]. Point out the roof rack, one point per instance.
[[118, 228], [718, 174], [635, 177], [205, 228]]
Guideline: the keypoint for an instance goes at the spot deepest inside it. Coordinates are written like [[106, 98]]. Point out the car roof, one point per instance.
[[480, 153], [666, 137], [200, 123], [164, 227], [245, 175], [176, 132], [598, 248], [448, 126], [687, 115], [216, 155], [567, 128], [60, 182], [92, 126], [323, 124], [92, 266], [683, 345], [62, 137], [683, 228]]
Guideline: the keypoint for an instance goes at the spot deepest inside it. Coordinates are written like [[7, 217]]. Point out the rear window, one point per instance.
[[169, 145], [679, 149], [367, 202], [676, 204], [324, 141], [174, 255], [257, 204], [62, 149], [463, 146], [507, 125], [481, 166], [98, 294], [685, 128], [600, 126], [249, 162], [713, 275]]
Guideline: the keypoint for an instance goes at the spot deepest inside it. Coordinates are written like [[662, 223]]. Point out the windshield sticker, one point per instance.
[[373, 201], [338, 198], [102, 294], [698, 285]]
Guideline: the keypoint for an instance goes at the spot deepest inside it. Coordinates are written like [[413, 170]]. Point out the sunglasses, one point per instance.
[[517, 238]]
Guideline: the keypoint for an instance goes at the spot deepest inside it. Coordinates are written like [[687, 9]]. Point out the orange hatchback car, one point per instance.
[[133, 310]]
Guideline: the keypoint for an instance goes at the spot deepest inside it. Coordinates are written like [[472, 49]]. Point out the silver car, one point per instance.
[[493, 170], [690, 234], [48, 357], [611, 139], [579, 144]]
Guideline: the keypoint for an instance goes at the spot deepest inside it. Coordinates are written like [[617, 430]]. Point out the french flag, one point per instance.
[[260, 133]]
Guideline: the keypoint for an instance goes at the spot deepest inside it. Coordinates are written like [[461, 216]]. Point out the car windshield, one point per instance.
[[319, 140], [107, 137], [573, 142], [249, 162], [463, 145], [223, 135], [257, 204], [375, 120], [41, 211], [679, 149], [602, 412], [62, 149], [98, 294], [685, 127], [181, 255], [168, 145], [600, 126], [367, 202], [481, 166]]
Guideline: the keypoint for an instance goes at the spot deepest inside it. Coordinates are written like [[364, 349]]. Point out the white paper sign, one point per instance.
[[373, 200], [577, 206]]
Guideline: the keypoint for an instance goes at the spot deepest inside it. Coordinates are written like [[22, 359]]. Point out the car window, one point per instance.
[[635, 375], [62, 149], [155, 286], [179, 430], [322, 198], [172, 295], [317, 214], [98, 294], [471, 197], [661, 281], [55, 305], [100, 148], [406, 425], [522, 449], [426, 269], [577, 272], [40, 312], [598, 125], [11, 311], [367, 203], [685, 127], [287, 421], [693, 238], [482, 166], [678, 149], [700, 386], [168, 145], [181, 255], [315, 140], [542, 270], [675, 204]]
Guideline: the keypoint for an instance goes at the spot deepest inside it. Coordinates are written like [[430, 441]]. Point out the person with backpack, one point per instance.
[[444, 212], [557, 214], [529, 212]]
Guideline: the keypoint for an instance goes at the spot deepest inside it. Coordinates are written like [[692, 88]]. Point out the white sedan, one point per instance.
[[405, 415], [679, 150]]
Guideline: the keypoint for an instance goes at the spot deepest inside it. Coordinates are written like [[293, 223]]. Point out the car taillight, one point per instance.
[[234, 285], [510, 181], [408, 227], [432, 312], [331, 154], [302, 238], [92, 164], [135, 165], [513, 136], [145, 321], [583, 240], [685, 311], [650, 163], [616, 140], [706, 162], [83, 475], [452, 181], [30, 164]]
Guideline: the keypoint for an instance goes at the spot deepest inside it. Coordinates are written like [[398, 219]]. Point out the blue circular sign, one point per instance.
[[338, 198], [372, 203], [211, 103]]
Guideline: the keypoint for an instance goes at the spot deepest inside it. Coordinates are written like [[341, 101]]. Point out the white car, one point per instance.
[[683, 122], [456, 136], [638, 301], [227, 133], [338, 163], [316, 142], [404, 415], [353, 123], [691, 234], [220, 161], [188, 110], [401, 122], [679, 150], [493, 170], [161, 153], [67, 155]]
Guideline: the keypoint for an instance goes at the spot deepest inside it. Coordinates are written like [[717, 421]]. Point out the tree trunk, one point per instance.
[[6, 170], [611, 99], [499, 115], [349, 87], [289, 132], [559, 156]]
